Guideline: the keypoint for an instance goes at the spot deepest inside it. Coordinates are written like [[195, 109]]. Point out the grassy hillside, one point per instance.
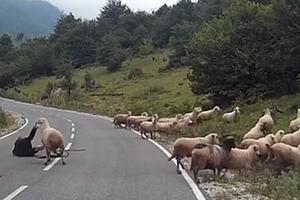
[[166, 93], [33, 18]]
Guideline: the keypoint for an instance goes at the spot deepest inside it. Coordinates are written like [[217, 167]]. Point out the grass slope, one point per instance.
[[165, 93]]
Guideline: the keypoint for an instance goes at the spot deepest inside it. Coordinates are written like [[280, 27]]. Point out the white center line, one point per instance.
[[73, 129], [48, 167], [72, 136], [73, 124], [16, 192]]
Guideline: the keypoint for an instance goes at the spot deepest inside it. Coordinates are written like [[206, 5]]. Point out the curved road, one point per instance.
[[117, 165]]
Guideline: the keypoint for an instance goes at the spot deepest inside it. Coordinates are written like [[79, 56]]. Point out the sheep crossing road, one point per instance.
[[116, 164]]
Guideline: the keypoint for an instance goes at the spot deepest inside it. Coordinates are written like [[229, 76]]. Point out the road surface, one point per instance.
[[116, 164]]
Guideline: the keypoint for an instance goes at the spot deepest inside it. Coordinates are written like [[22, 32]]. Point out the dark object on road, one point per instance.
[[23, 146]]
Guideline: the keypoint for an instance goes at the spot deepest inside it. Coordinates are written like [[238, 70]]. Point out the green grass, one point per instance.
[[166, 93]]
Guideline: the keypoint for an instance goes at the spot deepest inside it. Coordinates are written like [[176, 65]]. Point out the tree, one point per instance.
[[249, 52], [89, 82], [67, 83], [6, 46], [19, 38]]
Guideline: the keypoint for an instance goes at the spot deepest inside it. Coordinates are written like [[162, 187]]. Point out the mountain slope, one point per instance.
[[32, 17]]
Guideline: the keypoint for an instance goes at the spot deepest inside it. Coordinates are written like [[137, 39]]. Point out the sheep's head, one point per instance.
[[42, 122], [260, 126], [237, 109], [255, 149], [279, 134], [213, 138], [217, 109], [267, 111], [145, 114], [229, 143], [129, 112], [179, 116]]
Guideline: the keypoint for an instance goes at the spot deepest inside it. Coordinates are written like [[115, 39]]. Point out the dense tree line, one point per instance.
[[235, 48]]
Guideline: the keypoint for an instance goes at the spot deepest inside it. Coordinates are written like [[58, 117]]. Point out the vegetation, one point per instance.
[[27, 18], [5, 119]]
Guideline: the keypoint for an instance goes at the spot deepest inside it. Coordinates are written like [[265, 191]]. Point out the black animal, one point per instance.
[[23, 146]]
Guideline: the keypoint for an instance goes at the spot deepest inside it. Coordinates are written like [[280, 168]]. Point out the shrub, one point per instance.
[[135, 73], [3, 118]]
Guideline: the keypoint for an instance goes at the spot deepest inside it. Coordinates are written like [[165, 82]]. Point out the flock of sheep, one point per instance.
[[259, 145]]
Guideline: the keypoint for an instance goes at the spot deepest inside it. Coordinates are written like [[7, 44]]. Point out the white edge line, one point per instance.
[[72, 136], [198, 194], [16, 192], [7, 135], [48, 167], [191, 183]]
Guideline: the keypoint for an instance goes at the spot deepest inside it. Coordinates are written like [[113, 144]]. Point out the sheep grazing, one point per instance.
[[167, 128], [278, 135], [295, 124], [243, 158], [261, 142], [256, 132], [292, 139], [136, 120], [284, 154], [267, 121], [232, 116], [120, 119], [206, 156], [51, 139], [193, 115], [149, 127], [209, 114], [183, 147], [168, 120]]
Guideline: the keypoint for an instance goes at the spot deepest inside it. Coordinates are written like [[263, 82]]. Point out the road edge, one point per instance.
[[15, 131]]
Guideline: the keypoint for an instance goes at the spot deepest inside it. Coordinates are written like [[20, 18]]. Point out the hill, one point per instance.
[[32, 17]]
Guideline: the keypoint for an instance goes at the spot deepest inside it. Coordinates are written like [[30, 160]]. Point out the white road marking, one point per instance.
[[5, 136], [48, 167], [73, 124], [73, 130], [72, 136], [198, 194], [16, 192]]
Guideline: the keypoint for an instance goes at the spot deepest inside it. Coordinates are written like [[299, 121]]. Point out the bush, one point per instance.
[[3, 118], [135, 73]]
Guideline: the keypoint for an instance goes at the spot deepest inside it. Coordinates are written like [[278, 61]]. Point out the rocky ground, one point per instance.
[[19, 121], [230, 187]]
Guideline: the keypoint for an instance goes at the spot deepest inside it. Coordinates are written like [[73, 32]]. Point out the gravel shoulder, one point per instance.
[[18, 121]]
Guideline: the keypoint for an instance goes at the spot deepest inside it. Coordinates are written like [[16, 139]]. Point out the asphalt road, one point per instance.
[[116, 165]]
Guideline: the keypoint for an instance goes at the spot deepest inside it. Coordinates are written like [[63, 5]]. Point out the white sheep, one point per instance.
[[136, 120], [232, 116], [120, 119], [209, 114], [167, 128], [256, 132], [183, 147], [51, 139], [295, 124], [149, 127], [172, 119], [243, 158], [278, 135], [267, 121], [285, 154], [193, 115], [292, 139]]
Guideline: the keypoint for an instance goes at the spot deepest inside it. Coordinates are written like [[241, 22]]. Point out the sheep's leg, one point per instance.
[[177, 166], [196, 179], [47, 156], [62, 157]]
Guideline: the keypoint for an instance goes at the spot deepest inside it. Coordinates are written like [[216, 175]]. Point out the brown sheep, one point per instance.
[[149, 127], [120, 119], [206, 156], [51, 139], [285, 154], [136, 120], [183, 146]]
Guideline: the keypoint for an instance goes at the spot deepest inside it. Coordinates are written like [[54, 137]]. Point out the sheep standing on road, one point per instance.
[[295, 124], [232, 116], [136, 120], [149, 127], [51, 139], [121, 119], [183, 147]]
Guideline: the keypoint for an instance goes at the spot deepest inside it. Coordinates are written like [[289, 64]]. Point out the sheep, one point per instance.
[[284, 154], [52, 140], [182, 125], [292, 139], [256, 132], [120, 119], [167, 128], [295, 124], [183, 147], [261, 142], [243, 158], [278, 135], [193, 115], [209, 114], [149, 127], [134, 120], [206, 156], [167, 120], [232, 116], [267, 121]]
